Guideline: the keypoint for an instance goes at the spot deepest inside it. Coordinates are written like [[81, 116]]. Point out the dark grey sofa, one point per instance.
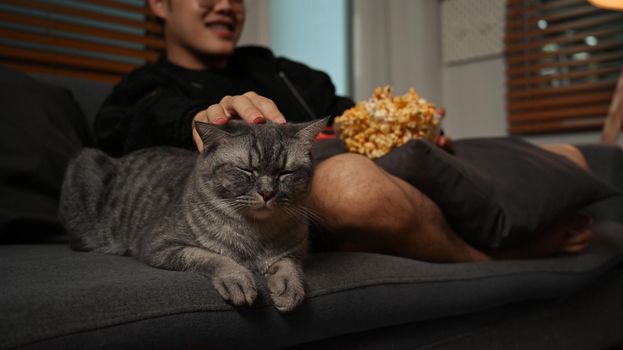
[[55, 298]]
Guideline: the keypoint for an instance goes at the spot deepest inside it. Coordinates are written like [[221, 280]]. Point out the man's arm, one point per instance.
[[147, 108]]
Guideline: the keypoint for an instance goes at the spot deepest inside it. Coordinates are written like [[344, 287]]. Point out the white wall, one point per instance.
[[257, 24], [473, 95], [391, 47]]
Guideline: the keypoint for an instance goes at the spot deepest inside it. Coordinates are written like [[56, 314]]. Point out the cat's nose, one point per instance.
[[266, 195]]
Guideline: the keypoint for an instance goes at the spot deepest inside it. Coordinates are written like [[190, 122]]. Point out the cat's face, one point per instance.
[[260, 170]]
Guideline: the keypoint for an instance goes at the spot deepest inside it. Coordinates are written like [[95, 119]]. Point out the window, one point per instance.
[[94, 39], [315, 33], [563, 60]]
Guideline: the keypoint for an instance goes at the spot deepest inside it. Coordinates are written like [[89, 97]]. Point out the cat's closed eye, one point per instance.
[[285, 173], [246, 171]]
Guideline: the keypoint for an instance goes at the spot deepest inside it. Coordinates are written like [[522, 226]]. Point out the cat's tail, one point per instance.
[[83, 196]]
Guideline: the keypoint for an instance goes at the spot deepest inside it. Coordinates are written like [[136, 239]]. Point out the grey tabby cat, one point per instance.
[[237, 207]]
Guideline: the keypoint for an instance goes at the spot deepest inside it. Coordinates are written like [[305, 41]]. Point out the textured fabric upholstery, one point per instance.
[[89, 94], [54, 297], [42, 128], [606, 162]]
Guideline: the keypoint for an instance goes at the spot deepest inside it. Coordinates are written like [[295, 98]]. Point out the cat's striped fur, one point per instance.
[[238, 206]]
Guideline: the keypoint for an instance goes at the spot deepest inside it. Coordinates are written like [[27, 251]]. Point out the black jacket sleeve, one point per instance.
[[145, 109], [155, 105]]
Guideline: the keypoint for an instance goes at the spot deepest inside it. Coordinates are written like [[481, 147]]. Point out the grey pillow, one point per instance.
[[42, 128], [496, 192]]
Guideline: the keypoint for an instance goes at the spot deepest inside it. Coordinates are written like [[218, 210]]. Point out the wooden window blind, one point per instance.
[[93, 39], [563, 60]]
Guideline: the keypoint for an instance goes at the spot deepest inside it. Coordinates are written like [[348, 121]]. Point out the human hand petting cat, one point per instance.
[[249, 106]]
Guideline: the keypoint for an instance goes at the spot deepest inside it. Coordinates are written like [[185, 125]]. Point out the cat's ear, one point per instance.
[[308, 131], [212, 134]]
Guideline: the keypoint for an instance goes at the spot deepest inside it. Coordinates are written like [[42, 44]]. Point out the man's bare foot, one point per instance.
[[570, 235], [580, 234]]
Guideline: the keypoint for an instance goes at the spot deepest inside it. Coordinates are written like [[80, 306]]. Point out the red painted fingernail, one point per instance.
[[259, 120], [220, 121]]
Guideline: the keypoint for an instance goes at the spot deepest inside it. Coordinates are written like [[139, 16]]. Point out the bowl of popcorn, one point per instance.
[[384, 122]]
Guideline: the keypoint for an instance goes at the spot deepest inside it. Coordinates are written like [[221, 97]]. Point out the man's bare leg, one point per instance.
[[568, 151], [570, 235], [370, 210]]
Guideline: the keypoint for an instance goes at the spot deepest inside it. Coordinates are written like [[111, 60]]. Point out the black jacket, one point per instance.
[[155, 104]]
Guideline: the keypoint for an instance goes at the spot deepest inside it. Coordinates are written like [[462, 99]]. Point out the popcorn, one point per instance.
[[384, 122]]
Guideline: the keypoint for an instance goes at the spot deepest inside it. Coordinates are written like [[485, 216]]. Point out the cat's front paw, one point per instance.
[[286, 290], [236, 286]]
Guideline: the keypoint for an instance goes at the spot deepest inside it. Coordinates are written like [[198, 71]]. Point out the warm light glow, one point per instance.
[[608, 4]]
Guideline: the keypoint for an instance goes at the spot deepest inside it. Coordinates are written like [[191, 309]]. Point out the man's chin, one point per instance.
[[224, 49]]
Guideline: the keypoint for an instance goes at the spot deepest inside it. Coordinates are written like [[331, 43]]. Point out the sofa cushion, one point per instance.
[[42, 127], [90, 94], [606, 162], [588, 319], [496, 192], [53, 297]]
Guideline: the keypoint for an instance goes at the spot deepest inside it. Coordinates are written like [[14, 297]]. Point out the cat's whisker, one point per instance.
[[226, 205], [312, 215], [304, 212], [294, 215]]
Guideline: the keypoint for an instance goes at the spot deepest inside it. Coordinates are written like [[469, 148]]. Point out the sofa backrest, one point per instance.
[[90, 94], [606, 162], [43, 127]]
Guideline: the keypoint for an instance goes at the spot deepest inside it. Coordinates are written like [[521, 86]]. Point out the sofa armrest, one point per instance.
[[606, 162]]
